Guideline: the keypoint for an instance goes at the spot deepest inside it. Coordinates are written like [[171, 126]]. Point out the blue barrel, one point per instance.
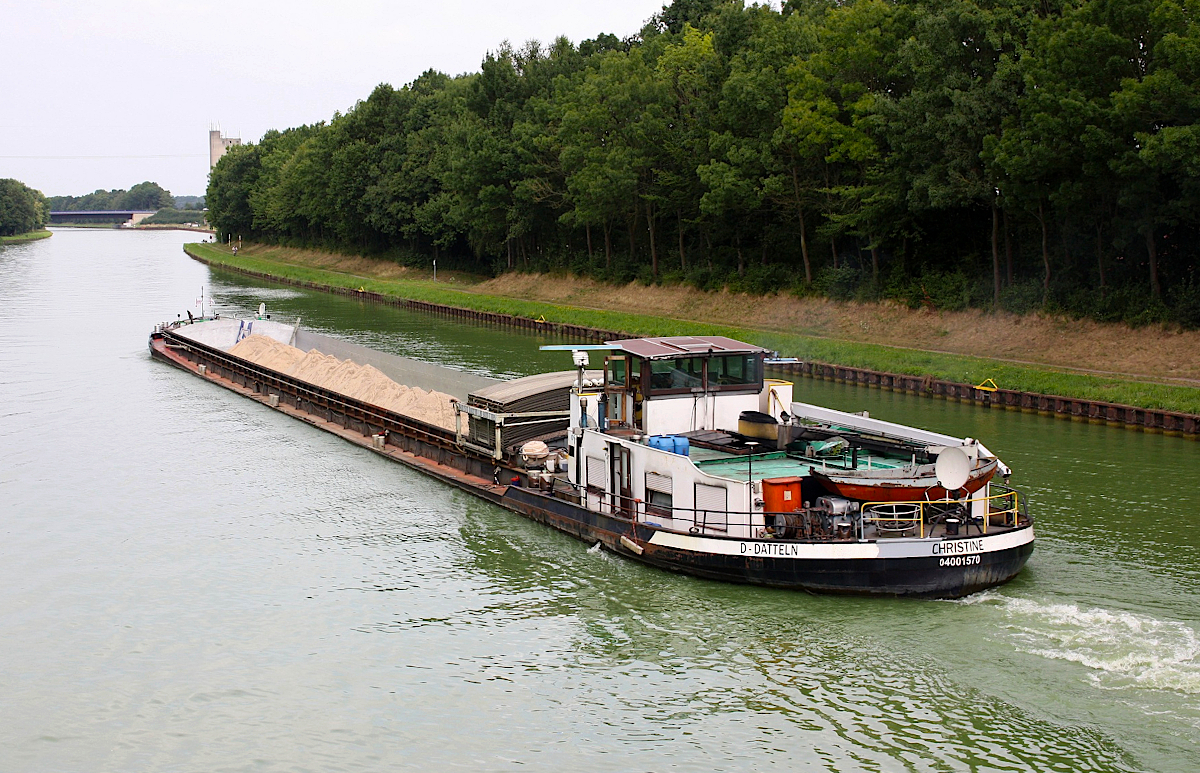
[[662, 442], [681, 445]]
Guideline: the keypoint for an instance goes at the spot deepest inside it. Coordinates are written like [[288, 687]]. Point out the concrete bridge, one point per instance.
[[131, 216]]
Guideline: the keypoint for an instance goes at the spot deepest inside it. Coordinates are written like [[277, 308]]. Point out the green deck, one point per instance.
[[778, 464]]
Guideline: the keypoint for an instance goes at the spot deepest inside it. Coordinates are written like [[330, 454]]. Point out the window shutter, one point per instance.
[[658, 482], [595, 472], [711, 505]]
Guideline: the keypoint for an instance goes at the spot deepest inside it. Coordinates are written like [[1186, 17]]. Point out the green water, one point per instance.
[[194, 582]]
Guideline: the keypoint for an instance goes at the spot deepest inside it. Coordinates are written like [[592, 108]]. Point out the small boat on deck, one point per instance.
[[902, 484], [678, 454]]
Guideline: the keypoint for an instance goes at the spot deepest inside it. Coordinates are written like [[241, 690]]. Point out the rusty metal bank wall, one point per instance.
[[1131, 417]]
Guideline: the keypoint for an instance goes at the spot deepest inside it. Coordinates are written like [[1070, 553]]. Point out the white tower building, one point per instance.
[[217, 145]]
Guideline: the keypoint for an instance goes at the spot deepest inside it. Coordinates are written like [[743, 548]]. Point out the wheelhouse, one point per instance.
[[685, 434]]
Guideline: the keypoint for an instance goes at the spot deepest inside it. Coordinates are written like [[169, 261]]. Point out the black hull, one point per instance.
[[431, 451], [922, 577]]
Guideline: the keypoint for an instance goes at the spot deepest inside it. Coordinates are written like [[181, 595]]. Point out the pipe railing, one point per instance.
[[895, 516], [916, 514]]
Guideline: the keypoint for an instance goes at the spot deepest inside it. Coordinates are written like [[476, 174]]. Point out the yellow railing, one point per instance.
[[902, 516]]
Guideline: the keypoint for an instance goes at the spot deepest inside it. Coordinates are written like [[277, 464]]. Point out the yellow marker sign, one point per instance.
[[987, 386], [541, 318]]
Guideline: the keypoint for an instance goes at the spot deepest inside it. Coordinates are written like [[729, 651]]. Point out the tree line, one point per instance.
[[175, 216], [22, 209], [143, 196], [1016, 154]]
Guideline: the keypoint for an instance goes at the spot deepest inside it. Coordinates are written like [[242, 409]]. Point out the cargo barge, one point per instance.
[[677, 453]]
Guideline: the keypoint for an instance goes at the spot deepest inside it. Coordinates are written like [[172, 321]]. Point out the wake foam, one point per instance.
[[1123, 649]]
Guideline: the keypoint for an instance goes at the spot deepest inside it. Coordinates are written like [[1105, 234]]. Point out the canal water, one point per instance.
[[192, 582]]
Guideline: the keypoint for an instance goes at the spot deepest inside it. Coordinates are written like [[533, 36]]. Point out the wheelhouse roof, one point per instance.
[[671, 347]]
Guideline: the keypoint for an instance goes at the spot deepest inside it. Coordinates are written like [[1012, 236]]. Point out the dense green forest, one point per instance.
[[22, 209], [174, 216], [143, 196], [1016, 154], [189, 202]]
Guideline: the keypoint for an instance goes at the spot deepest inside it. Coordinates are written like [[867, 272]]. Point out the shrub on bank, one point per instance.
[[172, 216]]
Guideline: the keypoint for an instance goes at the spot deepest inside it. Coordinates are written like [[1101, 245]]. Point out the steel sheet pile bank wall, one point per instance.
[[1170, 422]]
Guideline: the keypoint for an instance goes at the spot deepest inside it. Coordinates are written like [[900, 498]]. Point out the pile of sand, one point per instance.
[[362, 382]]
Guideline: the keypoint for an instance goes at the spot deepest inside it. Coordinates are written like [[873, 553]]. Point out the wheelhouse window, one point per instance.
[[734, 371], [623, 372], [680, 374], [684, 374], [618, 371]]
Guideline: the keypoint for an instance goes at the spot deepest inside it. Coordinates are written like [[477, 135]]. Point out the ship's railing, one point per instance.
[[719, 522], [915, 515], [796, 526], [1005, 504]]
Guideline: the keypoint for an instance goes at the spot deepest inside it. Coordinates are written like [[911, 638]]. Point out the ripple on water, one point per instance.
[[193, 581]]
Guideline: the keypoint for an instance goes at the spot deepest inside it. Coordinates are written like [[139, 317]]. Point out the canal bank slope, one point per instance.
[[31, 236], [1148, 368]]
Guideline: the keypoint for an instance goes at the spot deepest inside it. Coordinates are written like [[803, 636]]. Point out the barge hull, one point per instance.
[[433, 451], [935, 576]]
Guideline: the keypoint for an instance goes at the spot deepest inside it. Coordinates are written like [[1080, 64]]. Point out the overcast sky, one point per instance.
[[106, 94]]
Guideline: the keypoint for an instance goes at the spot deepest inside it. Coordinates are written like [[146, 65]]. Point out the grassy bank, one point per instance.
[[950, 367], [31, 236]]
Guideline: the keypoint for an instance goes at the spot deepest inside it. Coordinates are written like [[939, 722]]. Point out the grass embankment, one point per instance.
[[31, 236], [949, 367]]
